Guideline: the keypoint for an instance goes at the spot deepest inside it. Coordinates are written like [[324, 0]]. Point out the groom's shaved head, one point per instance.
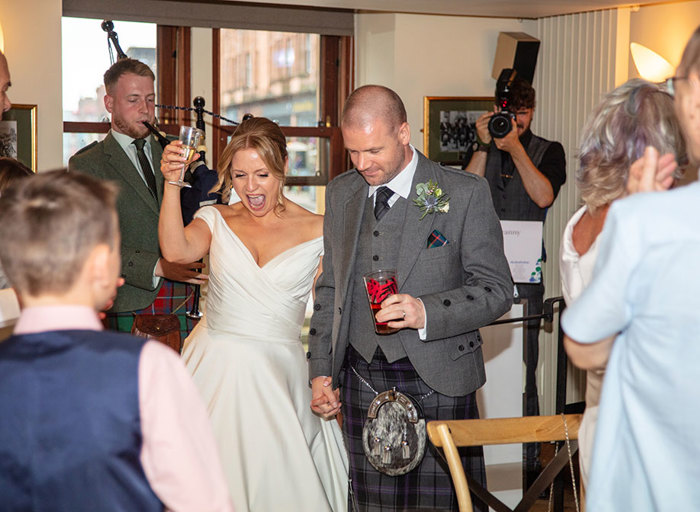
[[372, 102], [376, 133]]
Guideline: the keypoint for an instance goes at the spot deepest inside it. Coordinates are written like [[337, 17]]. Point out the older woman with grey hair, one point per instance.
[[633, 116]]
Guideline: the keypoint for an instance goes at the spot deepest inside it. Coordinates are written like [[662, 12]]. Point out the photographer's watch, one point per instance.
[[481, 145]]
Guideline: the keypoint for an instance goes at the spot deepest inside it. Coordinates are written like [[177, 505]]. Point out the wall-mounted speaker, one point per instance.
[[516, 50]]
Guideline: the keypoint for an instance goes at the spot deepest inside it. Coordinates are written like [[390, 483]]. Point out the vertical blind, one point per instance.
[[578, 64]]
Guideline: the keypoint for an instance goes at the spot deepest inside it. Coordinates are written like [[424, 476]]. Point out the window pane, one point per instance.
[[310, 197], [270, 74], [86, 58], [308, 156], [72, 142]]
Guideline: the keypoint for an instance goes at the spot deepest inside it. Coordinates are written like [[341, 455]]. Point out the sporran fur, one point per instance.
[[393, 436]]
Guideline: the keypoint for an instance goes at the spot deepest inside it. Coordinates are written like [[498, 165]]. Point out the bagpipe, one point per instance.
[[199, 176]]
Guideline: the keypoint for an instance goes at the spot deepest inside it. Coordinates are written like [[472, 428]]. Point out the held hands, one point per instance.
[[173, 160], [325, 401], [182, 272], [402, 311], [651, 173]]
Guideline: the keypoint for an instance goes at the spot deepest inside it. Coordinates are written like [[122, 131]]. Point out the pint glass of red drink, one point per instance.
[[379, 286]]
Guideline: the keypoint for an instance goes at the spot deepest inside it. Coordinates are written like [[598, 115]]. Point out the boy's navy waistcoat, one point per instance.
[[70, 428]]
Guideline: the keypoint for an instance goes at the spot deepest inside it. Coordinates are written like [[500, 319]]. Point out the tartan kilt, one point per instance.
[[173, 297], [428, 486]]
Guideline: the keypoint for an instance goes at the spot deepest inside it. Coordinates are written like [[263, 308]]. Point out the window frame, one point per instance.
[[173, 53], [335, 84], [173, 57]]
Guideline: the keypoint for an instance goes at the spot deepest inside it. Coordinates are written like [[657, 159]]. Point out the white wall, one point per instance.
[[664, 29], [375, 49], [424, 55], [32, 31]]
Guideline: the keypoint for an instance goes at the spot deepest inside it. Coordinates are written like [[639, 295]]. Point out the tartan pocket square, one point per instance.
[[436, 239]]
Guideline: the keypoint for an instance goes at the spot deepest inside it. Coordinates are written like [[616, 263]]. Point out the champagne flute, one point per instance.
[[190, 138]]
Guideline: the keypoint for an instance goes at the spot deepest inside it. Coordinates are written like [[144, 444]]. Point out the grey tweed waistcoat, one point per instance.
[[377, 249]]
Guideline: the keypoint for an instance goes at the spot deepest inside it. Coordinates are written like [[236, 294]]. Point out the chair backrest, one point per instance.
[[449, 435]]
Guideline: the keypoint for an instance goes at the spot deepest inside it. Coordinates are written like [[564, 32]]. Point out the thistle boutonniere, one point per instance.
[[431, 198]]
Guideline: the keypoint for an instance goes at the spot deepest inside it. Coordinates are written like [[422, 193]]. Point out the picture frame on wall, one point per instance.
[[18, 134], [449, 126]]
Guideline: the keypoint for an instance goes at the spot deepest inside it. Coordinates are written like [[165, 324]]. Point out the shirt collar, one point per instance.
[[57, 318], [401, 184], [127, 142]]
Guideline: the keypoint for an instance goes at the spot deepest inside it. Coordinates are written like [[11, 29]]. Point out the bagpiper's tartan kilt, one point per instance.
[[428, 486], [173, 297]]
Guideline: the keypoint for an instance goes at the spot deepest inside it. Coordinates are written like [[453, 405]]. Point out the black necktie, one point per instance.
[[381, 201], [145, 166]]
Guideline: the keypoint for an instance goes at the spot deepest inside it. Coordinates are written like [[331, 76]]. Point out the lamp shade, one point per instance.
[[651, 65]]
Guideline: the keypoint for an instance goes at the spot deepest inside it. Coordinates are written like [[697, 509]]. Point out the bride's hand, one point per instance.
[[173, 160], [324, 400]]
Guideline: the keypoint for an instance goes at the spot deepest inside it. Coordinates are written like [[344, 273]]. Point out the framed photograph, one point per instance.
[[448, 126], [18, 134]]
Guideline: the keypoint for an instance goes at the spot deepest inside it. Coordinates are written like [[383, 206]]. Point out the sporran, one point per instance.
[[393, 436]]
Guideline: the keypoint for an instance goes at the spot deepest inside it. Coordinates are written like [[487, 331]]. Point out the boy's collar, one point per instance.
[[57, 318]]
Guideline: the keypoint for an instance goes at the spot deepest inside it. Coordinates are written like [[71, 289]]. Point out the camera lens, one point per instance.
[[500, 125]]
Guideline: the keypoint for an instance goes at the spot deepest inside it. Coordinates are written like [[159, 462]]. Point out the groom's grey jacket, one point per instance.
[[464, 285]]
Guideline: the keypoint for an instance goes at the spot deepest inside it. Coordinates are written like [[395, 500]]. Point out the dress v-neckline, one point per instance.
[[248, 251]]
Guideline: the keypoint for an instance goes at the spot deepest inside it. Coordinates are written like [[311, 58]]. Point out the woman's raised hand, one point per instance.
[[652, 172], [173, 160]]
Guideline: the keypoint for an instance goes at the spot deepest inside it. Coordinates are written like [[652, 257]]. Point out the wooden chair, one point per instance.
[[449, 435]]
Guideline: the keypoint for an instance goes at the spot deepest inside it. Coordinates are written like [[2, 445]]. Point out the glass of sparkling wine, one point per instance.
[[190, 138]]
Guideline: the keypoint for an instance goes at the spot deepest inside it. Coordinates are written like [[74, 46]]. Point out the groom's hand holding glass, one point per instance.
[[402, 311]]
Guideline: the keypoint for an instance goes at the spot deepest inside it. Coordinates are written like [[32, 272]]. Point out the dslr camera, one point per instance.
[[500, 123]]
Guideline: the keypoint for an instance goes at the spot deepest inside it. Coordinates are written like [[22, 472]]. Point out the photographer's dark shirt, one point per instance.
[[510, 199]]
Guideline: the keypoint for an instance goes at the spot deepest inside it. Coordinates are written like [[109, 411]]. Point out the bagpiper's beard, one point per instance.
[[137, 131]]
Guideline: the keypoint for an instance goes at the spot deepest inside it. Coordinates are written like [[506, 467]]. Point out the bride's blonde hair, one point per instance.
[[267, 139]]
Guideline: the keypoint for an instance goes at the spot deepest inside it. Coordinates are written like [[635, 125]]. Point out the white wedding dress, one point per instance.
[[248, 362]]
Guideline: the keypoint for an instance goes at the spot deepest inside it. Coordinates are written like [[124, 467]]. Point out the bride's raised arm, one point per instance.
[[178, 244]]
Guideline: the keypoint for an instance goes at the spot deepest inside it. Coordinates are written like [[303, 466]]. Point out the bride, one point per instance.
[[245, 355]]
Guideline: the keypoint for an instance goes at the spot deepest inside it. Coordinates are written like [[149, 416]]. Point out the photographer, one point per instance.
[[524, 173]]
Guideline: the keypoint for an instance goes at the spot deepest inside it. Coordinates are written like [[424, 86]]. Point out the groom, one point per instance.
[[452, 277]]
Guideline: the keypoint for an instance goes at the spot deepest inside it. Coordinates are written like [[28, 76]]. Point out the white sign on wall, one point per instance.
[[522, 243]]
